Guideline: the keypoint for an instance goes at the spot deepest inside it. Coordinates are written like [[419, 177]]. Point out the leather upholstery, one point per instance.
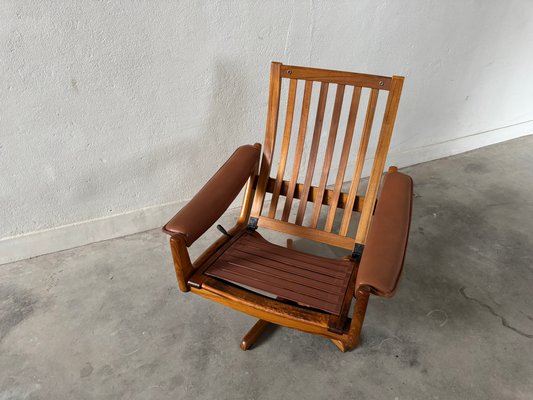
[[314, 281], [204, 209], [383, 256]]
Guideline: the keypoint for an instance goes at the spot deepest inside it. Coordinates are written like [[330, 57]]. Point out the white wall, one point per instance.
[[113, 113]]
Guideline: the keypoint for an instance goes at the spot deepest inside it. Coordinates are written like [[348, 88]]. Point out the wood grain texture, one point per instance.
[[253, 334], [310, 280], [345, 154], [319, 120], [182, 262], [296, 271], [205, 260], [284, 147], [312, 195], [281, 313], [306, 233], [360, 160], [299, 150], [338, 77], [330, 147], [379, 159], [270, 138], [249, 191]]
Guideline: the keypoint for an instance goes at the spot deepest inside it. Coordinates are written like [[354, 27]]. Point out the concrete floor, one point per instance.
[[106, 321]]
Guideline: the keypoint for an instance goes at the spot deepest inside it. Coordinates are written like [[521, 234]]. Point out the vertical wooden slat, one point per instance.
[[361, 154], [313, 152], [270, 138], [248, 193], [345, 153], [379, 160], [329, 153], [284, 147], [299, 150]]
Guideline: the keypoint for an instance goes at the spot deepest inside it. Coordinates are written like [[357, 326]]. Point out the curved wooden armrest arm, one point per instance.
[[204, 209], [382, 261]]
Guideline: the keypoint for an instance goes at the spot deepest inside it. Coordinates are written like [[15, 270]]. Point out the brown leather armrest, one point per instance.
[[204, 209], [382, 261]]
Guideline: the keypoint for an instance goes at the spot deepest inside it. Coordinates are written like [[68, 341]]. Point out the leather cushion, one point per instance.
[[383, 256], [204, 209]]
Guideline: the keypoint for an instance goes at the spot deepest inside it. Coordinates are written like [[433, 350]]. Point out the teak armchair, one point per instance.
[[280, 285]]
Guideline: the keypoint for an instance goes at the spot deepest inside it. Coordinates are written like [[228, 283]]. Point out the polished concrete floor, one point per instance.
[[106, 321]]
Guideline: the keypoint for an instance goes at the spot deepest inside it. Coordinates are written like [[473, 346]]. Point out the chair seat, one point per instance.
[[314, 281]]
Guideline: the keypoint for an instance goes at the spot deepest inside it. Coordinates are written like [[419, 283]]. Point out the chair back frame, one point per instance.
[[320, 195]]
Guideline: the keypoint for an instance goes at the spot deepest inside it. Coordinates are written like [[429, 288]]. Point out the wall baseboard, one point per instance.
[[81, 233], [78, 234], [459, 145]]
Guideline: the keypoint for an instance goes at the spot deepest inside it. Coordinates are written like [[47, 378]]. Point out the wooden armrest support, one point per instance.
[[204, 209], [182, 261], [382, 261]]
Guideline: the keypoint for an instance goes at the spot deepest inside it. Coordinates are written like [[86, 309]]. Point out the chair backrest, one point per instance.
[[300, 218]]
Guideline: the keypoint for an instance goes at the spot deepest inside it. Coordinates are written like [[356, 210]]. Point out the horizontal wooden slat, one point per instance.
[[307, 233], [339, 77], [327, 268], [283, 288], [209, 256], [262, 307], [328, 196], [290, 274], [312, 280], [335, 266]]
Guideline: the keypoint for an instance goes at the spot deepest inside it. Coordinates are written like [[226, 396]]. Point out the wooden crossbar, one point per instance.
[[338, 77], [311, 194]]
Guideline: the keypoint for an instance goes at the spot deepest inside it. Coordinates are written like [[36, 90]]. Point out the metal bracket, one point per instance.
[[252, 225], [358, 251], [195, 285]]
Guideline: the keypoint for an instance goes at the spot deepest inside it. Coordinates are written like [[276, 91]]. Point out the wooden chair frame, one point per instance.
[[343, 331]]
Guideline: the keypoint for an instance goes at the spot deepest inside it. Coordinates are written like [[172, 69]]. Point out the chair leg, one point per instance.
[[253, 334], [351, 340], [361, 302], [340, 344]]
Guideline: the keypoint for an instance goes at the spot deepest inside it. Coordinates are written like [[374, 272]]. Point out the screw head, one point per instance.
[[381, 83], [289, 72]]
